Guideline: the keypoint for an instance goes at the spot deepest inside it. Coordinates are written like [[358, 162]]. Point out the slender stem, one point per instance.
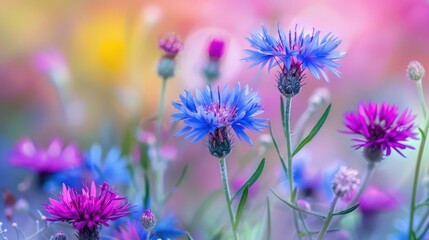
[[328, 219], [422, 98], [368, 173], [224, 175], [159, 173], [288, 103], [419, 227], [149, 231], [416, 180], [424, 232], [287, 132]]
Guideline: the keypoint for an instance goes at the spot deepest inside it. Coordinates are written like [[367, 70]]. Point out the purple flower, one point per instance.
[[381, 128], [53, 159], [374, 200], [171, 45], [216, 49], [89, 210]]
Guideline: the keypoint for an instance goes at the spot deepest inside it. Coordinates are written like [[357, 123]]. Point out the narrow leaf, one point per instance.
[[297, 208], [277, 150], [422, 133], [348, 210], [144, 156], [294, 194], [252, 179], [128, 141], [313, 131], [241, 205], [219, 234], [146, 199]]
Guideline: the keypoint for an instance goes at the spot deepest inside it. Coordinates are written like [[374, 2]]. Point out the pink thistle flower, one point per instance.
[[382, 129], [171, 45], [53, 159], [89, 210], [216, 48]]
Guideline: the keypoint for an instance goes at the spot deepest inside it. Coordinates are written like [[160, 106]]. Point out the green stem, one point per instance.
[[328, 219], [369, 170], [422, 98], [416, 180], [424, 232], [423, 221], [224, 175], [287, 132], [159, 173]]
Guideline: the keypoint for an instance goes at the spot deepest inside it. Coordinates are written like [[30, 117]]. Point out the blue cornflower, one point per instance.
[[215, 113], [293, 54], [114, 168]]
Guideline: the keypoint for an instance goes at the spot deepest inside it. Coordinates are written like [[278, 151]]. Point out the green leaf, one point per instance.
[[241, 205], [413, 235], [277, 149], [348, 210], [128, 141], [313, 131], [177, 185], [251, 180], [146, 199], [297, 208], [144, 156], [422, 133]]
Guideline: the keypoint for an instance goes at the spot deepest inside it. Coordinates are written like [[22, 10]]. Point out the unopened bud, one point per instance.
[[345, 181], [148, 219], [415, 71]]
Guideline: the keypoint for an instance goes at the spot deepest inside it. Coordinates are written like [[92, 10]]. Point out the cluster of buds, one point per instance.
[[215, 52]]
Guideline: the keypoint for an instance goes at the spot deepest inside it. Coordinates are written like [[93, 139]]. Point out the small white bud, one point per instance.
[[415, 71]]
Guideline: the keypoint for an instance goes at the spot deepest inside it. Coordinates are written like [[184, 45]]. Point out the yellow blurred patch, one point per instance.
[[101, 44]]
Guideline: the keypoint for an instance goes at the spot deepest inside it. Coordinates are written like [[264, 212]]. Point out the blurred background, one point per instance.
[[85, 72]]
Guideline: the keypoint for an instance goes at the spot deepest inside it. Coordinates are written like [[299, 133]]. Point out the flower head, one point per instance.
[[148, 219], [295, 51], [415, 71], [217, 112], [216, 49], [89, 210], [381, 128], [50, 160], [59, 236], [345, 181], [171, 45]]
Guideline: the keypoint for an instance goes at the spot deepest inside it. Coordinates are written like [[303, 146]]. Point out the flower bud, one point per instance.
[[211, 70], [345, 181], [415, 71], [220, 143], [373, 155], [148, 219], [166, 67]]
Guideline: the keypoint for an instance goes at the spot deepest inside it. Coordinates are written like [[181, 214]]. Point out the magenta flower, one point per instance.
[[375, 200], [381, 128], [89, 210], [216, 48], [53, 159], [171, 45]]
